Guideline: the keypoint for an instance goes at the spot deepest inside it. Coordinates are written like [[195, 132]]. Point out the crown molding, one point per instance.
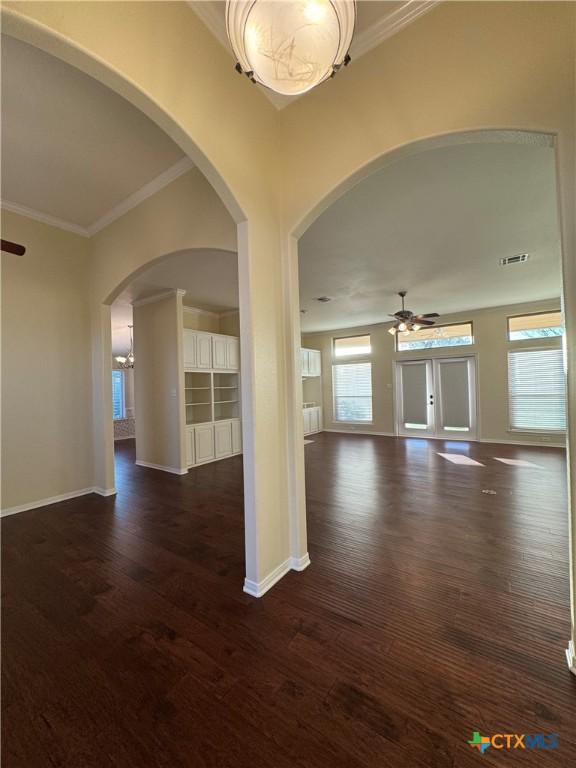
[[363, 42], [390, 25], [159, 297], [198, 311], [161, 181], [44, 218]]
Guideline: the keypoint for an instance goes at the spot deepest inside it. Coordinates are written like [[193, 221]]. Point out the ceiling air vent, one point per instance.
[[323, 299], [520, 258]]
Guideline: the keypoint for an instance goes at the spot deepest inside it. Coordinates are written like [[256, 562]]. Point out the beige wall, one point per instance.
[[158, 383], [46, 377], [490, 349], [227, 323]]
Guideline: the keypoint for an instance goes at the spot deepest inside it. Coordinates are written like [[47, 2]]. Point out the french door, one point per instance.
[[437, 398]]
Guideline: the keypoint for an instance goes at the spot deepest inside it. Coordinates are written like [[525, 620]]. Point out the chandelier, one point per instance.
[[128, 361], [290, 46]]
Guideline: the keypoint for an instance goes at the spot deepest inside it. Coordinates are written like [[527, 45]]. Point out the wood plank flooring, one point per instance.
[[431, 610]]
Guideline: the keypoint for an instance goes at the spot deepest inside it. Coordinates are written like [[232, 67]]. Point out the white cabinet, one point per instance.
[[314, 362], [203, 443], [203, 350], [310, 362], [189, 348], [312, 420], [236, 436], [223, 439], [225, 353], [190, 446], [219, 352], [232, 353], [211, 351]]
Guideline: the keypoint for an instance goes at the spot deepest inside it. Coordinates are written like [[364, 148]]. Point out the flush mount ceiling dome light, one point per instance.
[[290, 46]]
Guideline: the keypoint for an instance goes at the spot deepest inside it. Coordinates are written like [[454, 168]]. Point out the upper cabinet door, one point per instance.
[[232, 353], [304, 362], [203, 350], [190, 358], [219, 352], [315, 362]]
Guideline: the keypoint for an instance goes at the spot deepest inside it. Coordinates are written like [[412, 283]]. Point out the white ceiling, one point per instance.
[[376, 20], [72, 149], [437, 224], [210, 279]]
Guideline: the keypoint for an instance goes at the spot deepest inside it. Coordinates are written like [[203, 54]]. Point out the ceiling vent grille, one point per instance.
[[520, 258]]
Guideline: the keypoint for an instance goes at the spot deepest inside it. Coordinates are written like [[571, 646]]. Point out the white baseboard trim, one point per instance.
[[104, 491], [300, 563], [259, 588], [571, 657], [360, 432], [46, 502], [125, 437], [522, 442], [172, 470]]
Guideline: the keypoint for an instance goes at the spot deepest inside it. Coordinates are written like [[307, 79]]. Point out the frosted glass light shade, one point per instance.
[[290, 46]]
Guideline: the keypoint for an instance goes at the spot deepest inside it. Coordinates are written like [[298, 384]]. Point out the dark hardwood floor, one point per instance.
[[431, 610]]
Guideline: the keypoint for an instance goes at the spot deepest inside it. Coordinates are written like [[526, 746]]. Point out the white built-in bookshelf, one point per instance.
[[211, 396]]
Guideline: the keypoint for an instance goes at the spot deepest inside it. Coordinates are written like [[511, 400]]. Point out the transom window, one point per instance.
[[352, 346], [456, 335], [542, 325]]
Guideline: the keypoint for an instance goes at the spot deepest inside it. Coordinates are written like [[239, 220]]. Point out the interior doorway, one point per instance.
[[436, 397]]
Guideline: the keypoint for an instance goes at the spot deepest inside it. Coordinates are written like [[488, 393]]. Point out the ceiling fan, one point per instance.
[[406, 320]]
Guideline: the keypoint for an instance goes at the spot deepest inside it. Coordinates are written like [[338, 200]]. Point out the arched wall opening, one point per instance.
[[242, 187], [562, 154]]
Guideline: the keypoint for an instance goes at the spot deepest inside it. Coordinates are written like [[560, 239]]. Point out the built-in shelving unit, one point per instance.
[[198, 397], [226, 396]]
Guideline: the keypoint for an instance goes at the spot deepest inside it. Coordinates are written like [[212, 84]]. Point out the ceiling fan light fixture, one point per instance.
[[290, 46], [402, 327], [392, 330]]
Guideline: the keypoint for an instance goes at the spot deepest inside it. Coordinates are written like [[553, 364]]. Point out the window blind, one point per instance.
[[118, 394], [536, 390], [352, 385]]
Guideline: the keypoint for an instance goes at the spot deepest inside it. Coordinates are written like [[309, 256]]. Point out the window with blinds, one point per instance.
[[352, 387], [536, 390], [118, 409]]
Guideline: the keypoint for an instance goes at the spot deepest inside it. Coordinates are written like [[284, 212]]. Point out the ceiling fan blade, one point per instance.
[[15, 248], [420, 321], [430, 314]]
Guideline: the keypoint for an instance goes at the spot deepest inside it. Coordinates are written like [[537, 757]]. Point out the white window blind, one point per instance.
[[352, 384], [118, 410], [537, 396]]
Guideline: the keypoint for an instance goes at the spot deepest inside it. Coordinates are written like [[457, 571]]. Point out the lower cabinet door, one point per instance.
[[223, 439], [236, 437], [190, 446], [203, 443], [307, 424], [314, 420]]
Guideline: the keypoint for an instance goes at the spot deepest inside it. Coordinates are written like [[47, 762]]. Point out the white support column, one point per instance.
[[566, 167], [300, 558], [265, 419], [102, 423]]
